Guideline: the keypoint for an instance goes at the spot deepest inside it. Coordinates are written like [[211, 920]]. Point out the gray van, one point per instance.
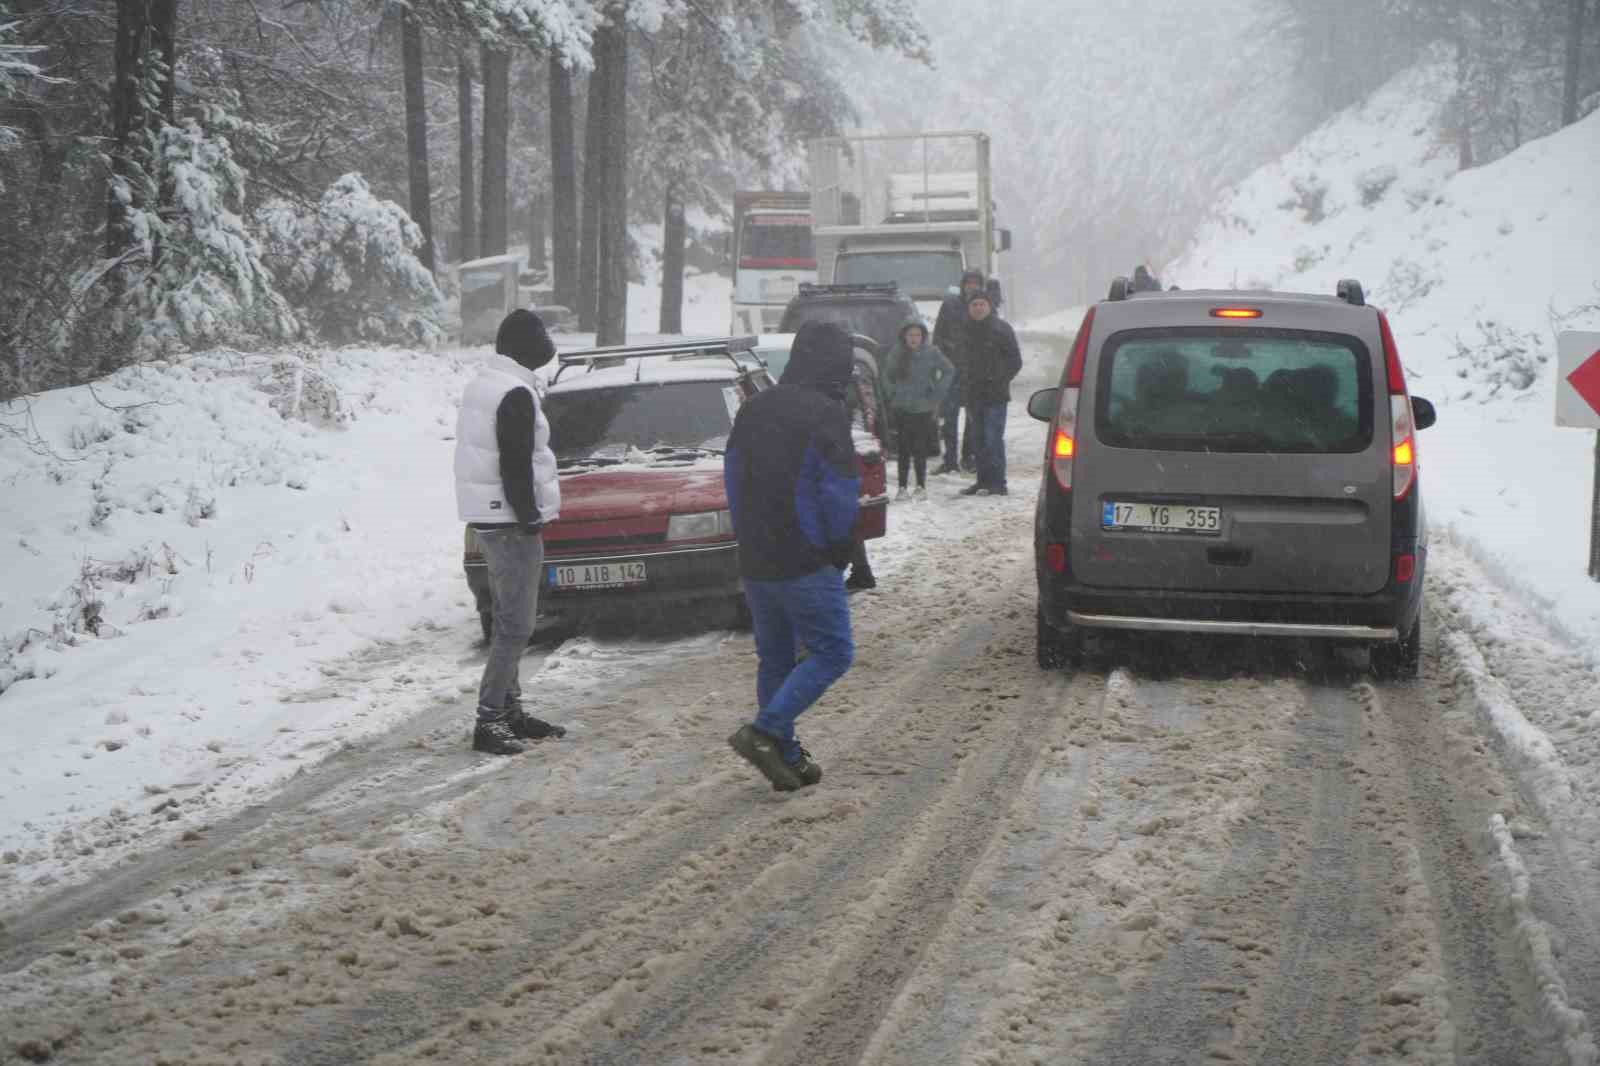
[[1235, 463]]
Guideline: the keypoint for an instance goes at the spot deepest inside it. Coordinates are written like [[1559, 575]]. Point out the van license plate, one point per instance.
[[1161, 518], [597, 575]]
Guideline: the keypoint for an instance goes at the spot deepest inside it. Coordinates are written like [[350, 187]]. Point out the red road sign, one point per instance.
[[1586, 380]]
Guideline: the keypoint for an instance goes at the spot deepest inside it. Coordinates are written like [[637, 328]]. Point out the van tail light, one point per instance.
[[1405, 568], [1403, 429], [1064, 438], [1055, 557]]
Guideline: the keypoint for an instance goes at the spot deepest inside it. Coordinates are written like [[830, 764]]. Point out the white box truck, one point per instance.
[[916, 209]]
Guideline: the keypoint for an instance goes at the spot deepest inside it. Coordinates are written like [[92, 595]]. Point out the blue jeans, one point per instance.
[[815, 611], [950, 412], [991, 433]]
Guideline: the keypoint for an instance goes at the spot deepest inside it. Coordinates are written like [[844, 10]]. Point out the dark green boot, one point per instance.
[[761, 751]]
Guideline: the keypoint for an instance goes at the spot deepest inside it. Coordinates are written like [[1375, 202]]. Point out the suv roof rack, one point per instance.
[[1120, 288], [808, 288], [593, 358], [1349, 290]]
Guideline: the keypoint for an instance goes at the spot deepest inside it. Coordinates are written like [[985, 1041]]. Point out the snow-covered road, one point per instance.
[[1181, 854]]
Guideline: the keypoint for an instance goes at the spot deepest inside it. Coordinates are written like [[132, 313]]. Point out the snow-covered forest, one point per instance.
[[174, 177]]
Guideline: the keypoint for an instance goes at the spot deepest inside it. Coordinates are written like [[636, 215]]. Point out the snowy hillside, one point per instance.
[[1477, 270], [209, 565]]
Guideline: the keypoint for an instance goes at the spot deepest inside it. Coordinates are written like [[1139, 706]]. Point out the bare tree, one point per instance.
[[467, 211], [1569, 88], [563, 186], [496, 131], [611, 64], [417, 132], [587, 288], [672, 263]]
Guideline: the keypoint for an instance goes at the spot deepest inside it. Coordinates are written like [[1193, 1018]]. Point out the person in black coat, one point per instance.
[[793, 489], [993, 359]]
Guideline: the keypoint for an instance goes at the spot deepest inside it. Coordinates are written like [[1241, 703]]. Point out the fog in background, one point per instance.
[[1114, 127]]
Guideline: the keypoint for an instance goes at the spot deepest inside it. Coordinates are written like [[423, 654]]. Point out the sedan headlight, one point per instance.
[[706, 525]]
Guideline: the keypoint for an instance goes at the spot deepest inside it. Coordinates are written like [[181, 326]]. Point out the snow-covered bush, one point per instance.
[[300, 390], [1310, 199], [205, 282], [350, 266], [1502, 357], [1374, 183]]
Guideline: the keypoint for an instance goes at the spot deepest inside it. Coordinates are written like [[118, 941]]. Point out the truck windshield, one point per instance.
[[611, 424], [1235, 391], [918, 273], [782, 241]]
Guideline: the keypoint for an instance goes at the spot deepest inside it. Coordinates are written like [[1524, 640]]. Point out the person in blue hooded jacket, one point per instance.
[[790, 473]]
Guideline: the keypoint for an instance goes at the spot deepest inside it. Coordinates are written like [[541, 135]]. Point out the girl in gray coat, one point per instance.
[[916, 377]]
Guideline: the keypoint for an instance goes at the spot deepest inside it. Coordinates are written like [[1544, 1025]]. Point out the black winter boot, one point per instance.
[[495, 737], [527, 727]]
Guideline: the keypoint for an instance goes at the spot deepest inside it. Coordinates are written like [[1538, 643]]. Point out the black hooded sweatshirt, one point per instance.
[[790, 468]]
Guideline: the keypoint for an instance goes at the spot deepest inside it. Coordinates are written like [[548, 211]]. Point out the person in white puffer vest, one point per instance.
[[507, 490]]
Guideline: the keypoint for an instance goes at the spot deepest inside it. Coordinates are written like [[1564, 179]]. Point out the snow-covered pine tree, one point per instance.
[[351, 266]]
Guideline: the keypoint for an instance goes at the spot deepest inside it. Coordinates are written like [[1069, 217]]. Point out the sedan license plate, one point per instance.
[[1161, 518], [596, 575]]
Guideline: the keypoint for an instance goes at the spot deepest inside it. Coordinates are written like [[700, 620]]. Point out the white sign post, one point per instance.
[[1578, 405]]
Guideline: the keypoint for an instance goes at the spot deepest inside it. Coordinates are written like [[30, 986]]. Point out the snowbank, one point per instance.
[[220, 568]]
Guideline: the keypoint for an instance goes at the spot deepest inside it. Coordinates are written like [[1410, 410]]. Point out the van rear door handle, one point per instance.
[[1228, 556]]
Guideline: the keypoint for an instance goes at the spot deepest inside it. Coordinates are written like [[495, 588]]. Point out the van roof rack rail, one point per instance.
[[1120, 288], [1349, 290], [815, 289]]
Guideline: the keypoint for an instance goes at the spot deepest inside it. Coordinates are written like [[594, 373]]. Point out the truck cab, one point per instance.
[[773, 256]]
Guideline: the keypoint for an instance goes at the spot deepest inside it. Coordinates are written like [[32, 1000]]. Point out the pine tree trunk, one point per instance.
[[536, 233], [563, 187], [417, 132], [467, 218], [587, 288], [611, 321], [672, 232], [1569, 93], [492, 234], [127, 123]]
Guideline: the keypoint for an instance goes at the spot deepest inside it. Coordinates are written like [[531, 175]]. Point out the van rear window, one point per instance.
[[1222, 389]]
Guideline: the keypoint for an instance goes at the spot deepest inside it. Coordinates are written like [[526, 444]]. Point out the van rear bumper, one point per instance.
[[1314, 630], [1380, 617]]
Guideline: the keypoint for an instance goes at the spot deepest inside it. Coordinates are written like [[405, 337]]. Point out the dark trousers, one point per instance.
[[918, 439]]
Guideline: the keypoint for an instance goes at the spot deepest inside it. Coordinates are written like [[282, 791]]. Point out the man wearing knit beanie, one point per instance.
[[506, 489]]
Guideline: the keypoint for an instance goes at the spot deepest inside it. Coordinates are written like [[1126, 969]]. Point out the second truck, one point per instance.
[[916, 209]]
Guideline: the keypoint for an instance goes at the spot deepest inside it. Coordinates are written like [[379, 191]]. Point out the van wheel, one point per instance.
[[1402, 660], [1057, 650]]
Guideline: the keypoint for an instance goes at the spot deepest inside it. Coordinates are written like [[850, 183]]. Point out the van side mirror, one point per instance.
[[1043, 404], [1422, 412]]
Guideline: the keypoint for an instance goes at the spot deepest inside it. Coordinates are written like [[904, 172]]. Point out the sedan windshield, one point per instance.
[[674, 422]]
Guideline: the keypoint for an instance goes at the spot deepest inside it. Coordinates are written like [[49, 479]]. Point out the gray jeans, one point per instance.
[[516, 564]]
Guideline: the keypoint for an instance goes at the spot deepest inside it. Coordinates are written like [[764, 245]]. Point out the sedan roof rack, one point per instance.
[[737, 349], [1349, 290]]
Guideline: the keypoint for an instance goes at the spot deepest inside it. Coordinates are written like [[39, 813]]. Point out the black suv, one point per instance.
[[876, 311], [1237, 463]]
